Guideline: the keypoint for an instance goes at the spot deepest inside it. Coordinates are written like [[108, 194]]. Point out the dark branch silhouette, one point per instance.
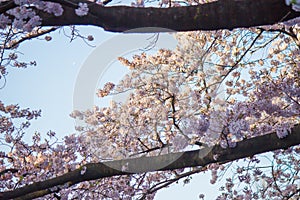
[[222, 14]]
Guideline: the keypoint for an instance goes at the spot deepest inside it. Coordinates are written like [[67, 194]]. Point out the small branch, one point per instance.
[[29, 36], [149, 150], [234, 66], [164, 184]]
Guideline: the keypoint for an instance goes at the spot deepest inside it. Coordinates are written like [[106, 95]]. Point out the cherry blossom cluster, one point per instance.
[[9, 115], [164, 106], [46, 158], [273, 177], [82, 9], [205, 91], [173, 93], [24, 16]]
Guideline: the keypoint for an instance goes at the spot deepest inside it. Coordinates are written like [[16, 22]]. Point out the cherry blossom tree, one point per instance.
[[220, 96]]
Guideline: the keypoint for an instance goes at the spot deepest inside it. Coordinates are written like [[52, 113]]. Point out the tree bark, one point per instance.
[[222, 14], [202, 157]]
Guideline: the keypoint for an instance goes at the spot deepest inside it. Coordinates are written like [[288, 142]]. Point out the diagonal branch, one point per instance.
[[33, 34], [202, 157]]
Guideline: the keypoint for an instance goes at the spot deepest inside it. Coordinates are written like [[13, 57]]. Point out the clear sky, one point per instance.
[[51, 84]]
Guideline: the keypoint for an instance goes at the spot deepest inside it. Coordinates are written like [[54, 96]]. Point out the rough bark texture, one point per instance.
[[223, 14], [202, 157]]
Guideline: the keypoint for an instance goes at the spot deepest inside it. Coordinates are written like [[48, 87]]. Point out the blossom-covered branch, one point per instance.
[[92, 171]]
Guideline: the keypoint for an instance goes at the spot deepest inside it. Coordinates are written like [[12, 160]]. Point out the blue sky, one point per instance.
[[50, 87]]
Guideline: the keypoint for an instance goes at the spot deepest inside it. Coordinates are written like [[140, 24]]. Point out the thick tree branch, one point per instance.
[[202, 157], [223, 14]]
